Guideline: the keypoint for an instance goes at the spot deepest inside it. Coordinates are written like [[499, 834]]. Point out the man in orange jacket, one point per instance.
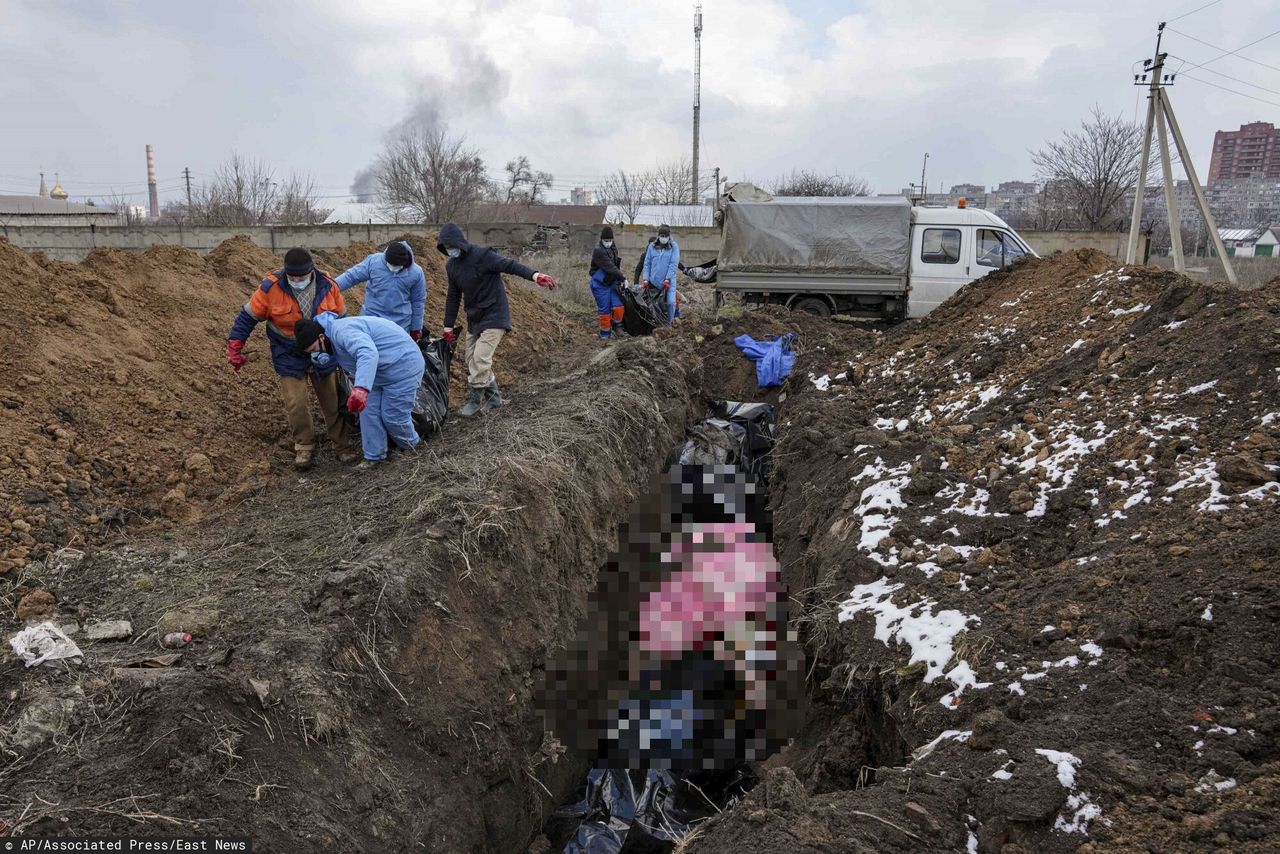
[[294, 292]]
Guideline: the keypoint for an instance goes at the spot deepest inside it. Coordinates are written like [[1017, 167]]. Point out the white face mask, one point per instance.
[[454, 252], [395, 268], [607, 243], [664, 240], [299, 284]]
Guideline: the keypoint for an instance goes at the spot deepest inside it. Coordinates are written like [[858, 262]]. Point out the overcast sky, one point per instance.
[[584, 88]]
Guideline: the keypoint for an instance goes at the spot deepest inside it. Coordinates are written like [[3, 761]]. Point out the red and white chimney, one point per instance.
[[152, 191]]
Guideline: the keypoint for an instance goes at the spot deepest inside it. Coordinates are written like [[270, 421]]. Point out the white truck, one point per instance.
[[875, 257]]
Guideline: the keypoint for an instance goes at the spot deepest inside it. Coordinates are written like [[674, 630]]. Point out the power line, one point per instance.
[[1232, 91], [1198, 9], [1233, 79], [1225, 52]]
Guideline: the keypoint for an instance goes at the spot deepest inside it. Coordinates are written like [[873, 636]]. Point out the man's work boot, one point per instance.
[[475, 402], [492, 397], [302, 460], [348, 455]]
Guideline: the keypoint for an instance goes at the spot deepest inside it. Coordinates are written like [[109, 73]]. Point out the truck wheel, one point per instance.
[[812, 305]]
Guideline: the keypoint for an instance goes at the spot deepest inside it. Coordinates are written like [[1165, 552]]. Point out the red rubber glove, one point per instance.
[[416, 334], [450, 336], [666, 283], [647, 284], [359, 397], [234, 356], [542, 280]]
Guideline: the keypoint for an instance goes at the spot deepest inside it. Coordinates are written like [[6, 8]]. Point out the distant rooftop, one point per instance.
[[38, 206]]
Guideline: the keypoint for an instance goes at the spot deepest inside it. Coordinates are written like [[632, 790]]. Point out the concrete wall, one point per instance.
[[1114, 243], [69, 243], [697, 244]]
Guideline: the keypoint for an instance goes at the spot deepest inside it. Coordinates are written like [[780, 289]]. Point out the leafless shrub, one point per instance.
[[427, 174], [805, 182], [627, 191]]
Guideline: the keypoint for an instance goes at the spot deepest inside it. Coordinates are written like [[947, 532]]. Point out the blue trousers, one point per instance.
[[608, 304], [672, 313], [389, 412]]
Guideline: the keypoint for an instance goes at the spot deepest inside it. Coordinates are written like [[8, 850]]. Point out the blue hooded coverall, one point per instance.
[[661, 263], [398, 297], [387, 362]]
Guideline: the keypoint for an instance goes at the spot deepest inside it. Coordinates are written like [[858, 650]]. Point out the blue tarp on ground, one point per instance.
[[774, 359]]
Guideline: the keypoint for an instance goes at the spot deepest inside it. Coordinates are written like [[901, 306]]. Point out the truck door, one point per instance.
[[994, 249], [941, 256]]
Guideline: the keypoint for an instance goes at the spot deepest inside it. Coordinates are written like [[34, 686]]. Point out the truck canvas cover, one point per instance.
[[840, 236]]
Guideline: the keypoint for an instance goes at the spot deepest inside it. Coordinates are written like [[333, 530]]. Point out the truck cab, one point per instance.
[[866, 257], [951, 247]]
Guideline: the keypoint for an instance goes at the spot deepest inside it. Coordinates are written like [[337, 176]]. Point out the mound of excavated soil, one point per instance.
[[367, 645], [241, 260], [118, 405], [1037, 539]]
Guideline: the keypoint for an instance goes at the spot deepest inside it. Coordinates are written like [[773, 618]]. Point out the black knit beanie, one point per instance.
[[606, 233], [297, 262], [398, 254], [306, 333]]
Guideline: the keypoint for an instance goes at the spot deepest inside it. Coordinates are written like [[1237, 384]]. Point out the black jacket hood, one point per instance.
[[451, 235]]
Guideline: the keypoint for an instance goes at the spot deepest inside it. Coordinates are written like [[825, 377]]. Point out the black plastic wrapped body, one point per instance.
[[344, 392], [733, 433], [703, 272], [644, 310], [431, 405]]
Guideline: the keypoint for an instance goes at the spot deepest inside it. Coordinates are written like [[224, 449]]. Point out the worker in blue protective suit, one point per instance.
[[606, 279], [661, 263], [397, 287], [387, 366]]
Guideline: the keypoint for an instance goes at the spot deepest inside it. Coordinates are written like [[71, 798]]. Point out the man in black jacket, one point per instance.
[[606, 278], [475, 278]]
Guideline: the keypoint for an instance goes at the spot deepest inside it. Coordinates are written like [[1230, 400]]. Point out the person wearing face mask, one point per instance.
[[397, 287], [661, 262], [296, 292], [606, 276], [475, 280], [387, 366]]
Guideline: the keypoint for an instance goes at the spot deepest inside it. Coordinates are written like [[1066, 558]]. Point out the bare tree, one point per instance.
[[805, 182], [672, 182], [523, 186], [128, 213], [1093, 170], [627, 191], [296, 202], [429, 175]]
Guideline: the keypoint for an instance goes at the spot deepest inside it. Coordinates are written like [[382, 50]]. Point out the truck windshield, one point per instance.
[[997, 248]]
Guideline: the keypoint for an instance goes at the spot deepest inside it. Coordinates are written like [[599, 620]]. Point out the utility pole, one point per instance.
[[1160, 111], [924, 188], [186, 172], [717, 197], [697, 93]]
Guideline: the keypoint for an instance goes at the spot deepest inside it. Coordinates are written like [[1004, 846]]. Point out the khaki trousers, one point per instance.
[[480, 350], [297, 408]]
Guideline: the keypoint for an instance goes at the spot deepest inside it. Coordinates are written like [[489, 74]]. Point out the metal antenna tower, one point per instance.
[[697, 94]]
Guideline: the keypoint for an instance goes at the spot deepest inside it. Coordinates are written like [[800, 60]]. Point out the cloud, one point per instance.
[[584, 88]]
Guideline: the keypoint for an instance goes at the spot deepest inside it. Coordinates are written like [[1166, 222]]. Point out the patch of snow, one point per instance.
[[1016, 688], [1219, 728], [1118, 312], [1204, 474], [821, 383], [1196, 389], [1000, 665], [1067, 764], [1085, 811], [1177, 324], [1269, 418], [1212, 781], [1032, 677], [929, 634], [1076, 346], [1207, 616], [1091, 649], [1003, 772], [1048, 629], [960, 735]]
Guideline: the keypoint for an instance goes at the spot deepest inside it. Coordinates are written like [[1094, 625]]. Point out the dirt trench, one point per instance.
[[366, 648]]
